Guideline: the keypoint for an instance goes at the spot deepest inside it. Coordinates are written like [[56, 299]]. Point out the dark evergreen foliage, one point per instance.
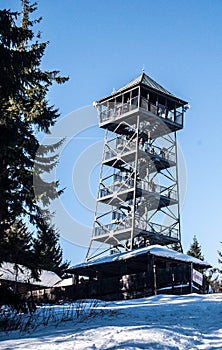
[[48, 251], [195, 249], [24, 111], [19, 239], [177, 247]]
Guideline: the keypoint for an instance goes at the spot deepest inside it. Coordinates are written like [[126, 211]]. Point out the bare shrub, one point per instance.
[[46, 315]]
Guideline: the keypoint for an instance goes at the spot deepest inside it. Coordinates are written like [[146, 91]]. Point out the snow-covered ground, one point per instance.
[[159, 322]]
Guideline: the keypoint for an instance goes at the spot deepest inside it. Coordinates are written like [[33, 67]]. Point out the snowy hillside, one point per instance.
[[159, 322]]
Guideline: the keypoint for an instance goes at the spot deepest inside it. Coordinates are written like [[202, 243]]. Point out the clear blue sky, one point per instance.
[[102, 45]]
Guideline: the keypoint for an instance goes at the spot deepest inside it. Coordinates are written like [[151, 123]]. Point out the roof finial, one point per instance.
[[143, 69]]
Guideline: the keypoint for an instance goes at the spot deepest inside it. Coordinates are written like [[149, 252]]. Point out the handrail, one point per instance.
[[126, 223], [123, 144], [123, 182], [151, 227], [162, 111], [156, 228], [113, 111]]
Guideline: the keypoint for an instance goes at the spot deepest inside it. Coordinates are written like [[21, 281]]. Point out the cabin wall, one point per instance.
[[160, 277], [19, 287]]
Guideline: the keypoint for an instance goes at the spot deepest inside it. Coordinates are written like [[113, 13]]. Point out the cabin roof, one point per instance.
[[23, 275], [64, 282], [154, 250], [146, 81]]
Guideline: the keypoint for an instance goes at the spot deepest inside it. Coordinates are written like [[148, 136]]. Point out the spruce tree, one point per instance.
[[47, 250], [177, 247], [215, 275], [24, 111], [195, 249], [17, 244], [17, 248]]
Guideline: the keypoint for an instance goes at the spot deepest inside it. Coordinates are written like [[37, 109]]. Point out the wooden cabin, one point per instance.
[[139, 273], [18, 278]]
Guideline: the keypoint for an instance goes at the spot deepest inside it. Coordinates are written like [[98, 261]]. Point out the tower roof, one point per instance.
[[146, 81]]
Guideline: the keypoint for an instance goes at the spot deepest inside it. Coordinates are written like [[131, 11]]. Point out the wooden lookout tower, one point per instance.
[[138, 196]]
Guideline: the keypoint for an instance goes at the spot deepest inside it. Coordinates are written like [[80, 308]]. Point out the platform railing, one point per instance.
[[117, 226], [162, 111], [124, 145], [158, 152], [140, 224], [121, 145], [154, 228], [123, 182], [114, 111]]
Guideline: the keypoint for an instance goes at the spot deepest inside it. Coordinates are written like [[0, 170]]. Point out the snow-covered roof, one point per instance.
[[64, 283], [156, 250], [23, 275]]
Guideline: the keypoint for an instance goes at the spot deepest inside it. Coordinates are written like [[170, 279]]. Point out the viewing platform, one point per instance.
[[114, 232], [123, 153], [159, 118], [119, 191]]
